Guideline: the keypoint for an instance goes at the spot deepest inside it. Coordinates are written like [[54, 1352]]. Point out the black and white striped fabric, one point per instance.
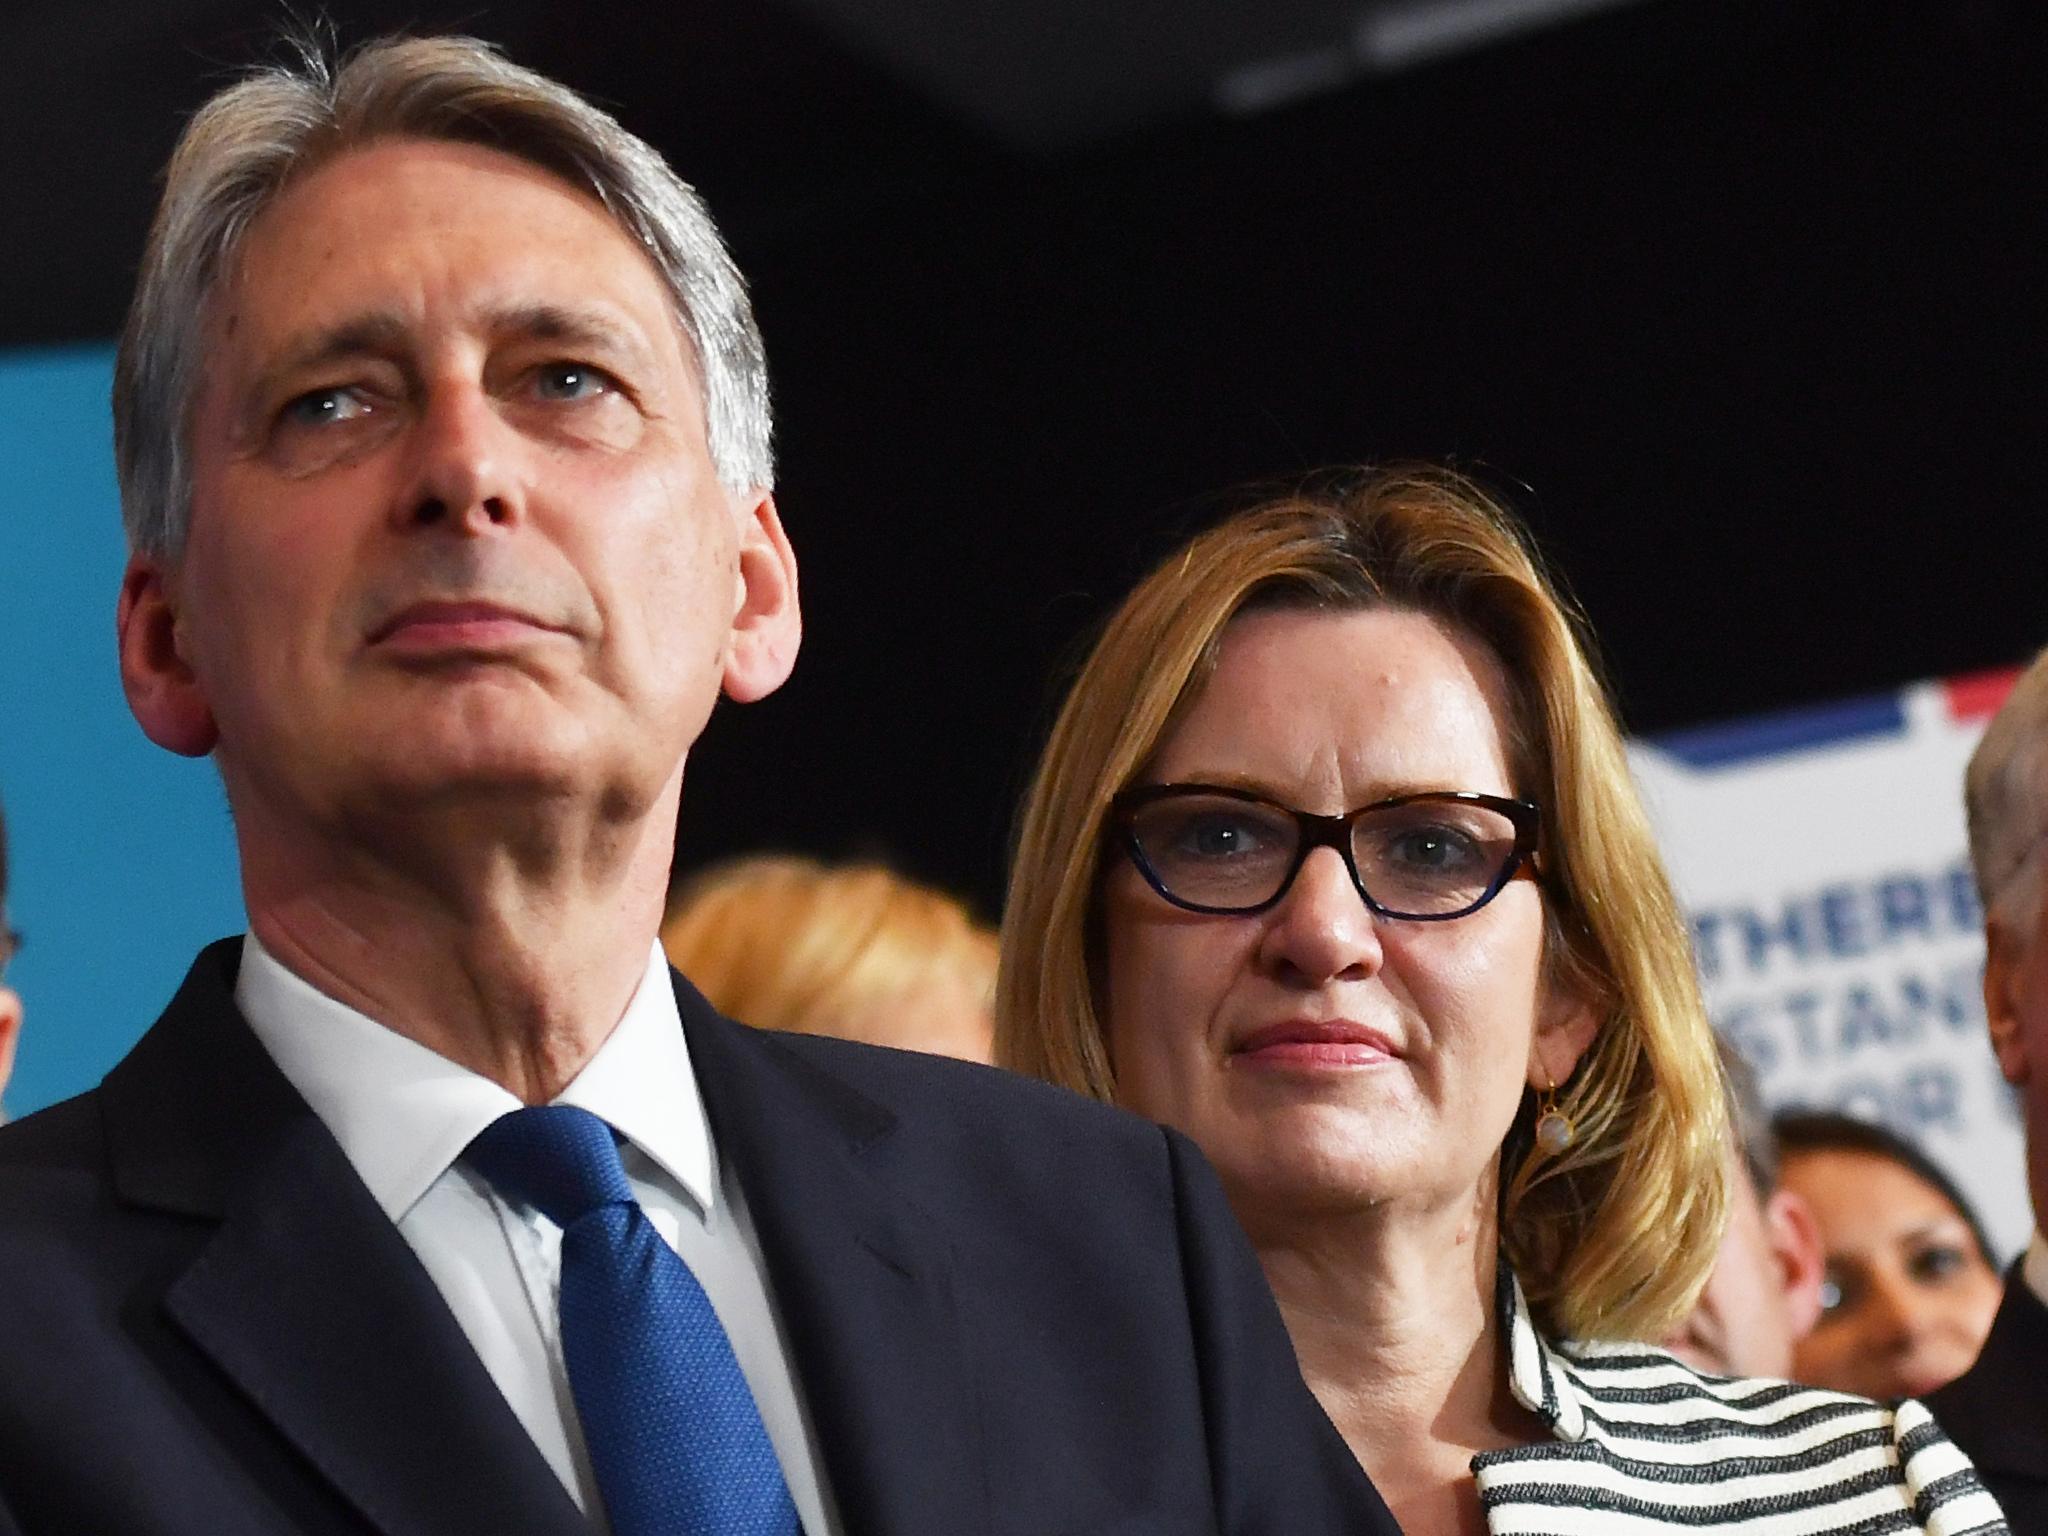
[[1645, 1443]]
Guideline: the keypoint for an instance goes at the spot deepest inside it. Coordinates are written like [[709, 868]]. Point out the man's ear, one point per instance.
[[2004, 954], [1564, 1029], [163, 693], [766, 626], [10, 1031], [1802, 1261]]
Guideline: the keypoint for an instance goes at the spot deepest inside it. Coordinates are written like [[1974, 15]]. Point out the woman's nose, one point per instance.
[[1322, 930], [1893, 1314]]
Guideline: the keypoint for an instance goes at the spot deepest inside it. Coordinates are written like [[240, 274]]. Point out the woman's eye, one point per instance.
[[324, 407], [1936, 1262], [1433, 848], [1216, 837], [571, 381]]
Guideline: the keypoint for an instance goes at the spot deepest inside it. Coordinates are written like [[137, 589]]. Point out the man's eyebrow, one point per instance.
[[379, 332], [590, 327]]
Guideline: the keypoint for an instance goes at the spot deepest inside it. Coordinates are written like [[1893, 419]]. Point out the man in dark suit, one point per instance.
[[1995, 1411], [435, 1204]]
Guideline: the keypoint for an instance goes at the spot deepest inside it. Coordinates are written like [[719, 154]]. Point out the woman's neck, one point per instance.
[[1392, 1316]]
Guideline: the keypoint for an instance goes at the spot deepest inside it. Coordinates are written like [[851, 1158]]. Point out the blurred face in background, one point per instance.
[[10, 1031], [1910, 1295], [10, 1001], [1765, 1292]]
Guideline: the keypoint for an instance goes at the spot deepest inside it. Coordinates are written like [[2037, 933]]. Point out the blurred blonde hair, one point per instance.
[[1614, 1237], [785, 942]]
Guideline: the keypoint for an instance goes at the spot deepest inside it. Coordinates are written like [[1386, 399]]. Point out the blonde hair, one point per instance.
[[1614, 1237], [785, 942]]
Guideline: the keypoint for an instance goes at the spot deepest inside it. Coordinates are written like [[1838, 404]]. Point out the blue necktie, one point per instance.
[[674, 1435]]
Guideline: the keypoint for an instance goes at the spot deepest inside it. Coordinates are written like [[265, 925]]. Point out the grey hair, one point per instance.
[[2003, 793], [251, 139], [1749, 1118]]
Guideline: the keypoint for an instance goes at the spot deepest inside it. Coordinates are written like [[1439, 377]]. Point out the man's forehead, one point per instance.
[[402, 209], [347, 259]]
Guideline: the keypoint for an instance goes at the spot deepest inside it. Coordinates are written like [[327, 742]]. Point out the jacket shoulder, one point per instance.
[[939, 1091], [63, 1142]]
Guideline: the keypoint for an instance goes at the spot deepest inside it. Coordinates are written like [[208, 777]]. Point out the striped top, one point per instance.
[[1645, 1443]]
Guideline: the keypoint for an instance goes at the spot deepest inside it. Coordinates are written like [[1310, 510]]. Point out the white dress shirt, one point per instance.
[[404, 1114]]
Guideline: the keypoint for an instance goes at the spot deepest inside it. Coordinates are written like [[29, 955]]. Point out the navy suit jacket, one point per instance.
[[1997, 1410], [1010, 1311]]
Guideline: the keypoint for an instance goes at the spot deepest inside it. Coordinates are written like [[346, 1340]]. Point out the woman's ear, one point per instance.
[[1565, 1028]]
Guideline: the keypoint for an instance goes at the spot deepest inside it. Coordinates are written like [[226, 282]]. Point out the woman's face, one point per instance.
[[1911, 1296], [1326, 1059]]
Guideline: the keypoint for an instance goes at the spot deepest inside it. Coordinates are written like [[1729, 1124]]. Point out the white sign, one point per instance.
[[1822, 859]]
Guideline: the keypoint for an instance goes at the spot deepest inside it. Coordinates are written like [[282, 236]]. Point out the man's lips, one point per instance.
[[1314, 1043], [459, 626]]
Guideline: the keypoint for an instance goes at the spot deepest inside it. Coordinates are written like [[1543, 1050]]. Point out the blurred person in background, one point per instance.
[[1911, 1279], [10, 1000], [1764, 1294], [856, 951], [1333, 862], [1997, 1407]]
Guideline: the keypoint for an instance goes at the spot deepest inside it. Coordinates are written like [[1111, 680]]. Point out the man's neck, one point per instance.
[[513, 966]]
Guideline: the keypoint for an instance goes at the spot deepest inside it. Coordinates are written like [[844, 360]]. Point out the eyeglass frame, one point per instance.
[[1318, 831]]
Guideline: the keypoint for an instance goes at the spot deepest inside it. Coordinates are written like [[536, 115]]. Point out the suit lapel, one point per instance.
[[305, 1295], [2009, 1428], [861, 1280]]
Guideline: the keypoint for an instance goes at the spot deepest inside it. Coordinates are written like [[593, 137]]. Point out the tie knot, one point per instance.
[[561, 1160]]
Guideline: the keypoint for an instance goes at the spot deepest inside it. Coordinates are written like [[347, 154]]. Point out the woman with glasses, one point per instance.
[[1333, 863]]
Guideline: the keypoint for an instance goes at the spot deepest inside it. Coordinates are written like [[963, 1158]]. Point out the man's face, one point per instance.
[[2016, 1006], [455, 528]]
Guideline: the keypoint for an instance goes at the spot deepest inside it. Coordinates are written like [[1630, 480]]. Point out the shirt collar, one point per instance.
[[1540, 1380], [403, 1114]]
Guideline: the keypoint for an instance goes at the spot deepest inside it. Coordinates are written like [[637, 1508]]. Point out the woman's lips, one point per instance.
[[1314, 1045]]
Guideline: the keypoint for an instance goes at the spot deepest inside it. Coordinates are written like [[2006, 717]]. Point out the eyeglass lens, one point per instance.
[[1421, 858]]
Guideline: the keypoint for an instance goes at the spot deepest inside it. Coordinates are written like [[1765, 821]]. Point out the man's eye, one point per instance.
[[571, 381], [319, 407]]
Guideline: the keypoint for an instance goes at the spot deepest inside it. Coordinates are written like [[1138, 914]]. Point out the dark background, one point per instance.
[[1738, 299]]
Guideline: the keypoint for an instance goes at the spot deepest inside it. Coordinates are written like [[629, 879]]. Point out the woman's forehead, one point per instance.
[[1369, 695]]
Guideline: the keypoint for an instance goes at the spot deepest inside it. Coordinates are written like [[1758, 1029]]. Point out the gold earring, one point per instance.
[[1554, 1129]]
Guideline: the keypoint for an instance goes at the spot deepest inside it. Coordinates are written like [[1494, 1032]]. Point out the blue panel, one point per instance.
[[1823, 725], [121, 857]]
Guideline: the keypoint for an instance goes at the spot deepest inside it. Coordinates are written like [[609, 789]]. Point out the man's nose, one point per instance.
[[465, 464], [1322, 929]]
